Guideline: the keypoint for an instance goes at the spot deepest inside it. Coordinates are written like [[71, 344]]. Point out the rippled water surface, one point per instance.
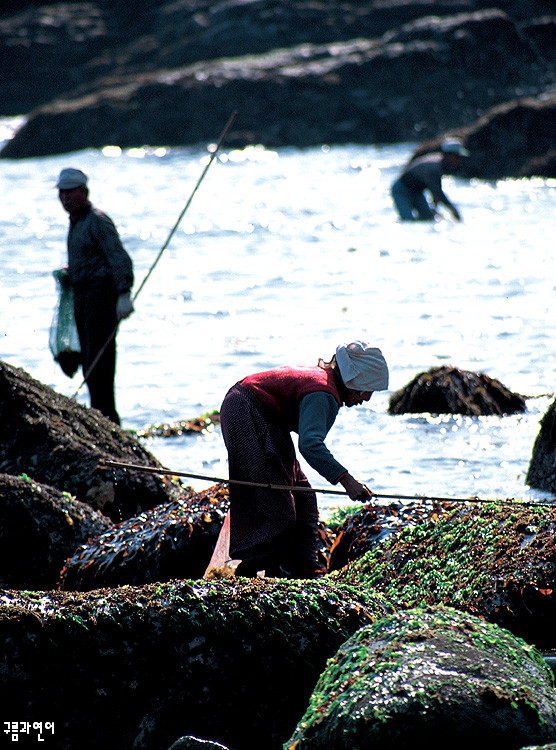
[[282, 255]]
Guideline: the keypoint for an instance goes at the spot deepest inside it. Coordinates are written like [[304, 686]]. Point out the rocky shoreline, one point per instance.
[[297, 74], [102, 581]]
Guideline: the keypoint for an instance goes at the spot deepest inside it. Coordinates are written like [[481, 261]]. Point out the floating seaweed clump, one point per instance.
[[430, 677], [449, 390], [496, 560], [206, 423]]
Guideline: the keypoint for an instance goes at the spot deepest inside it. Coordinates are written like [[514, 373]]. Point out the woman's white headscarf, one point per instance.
[[362, 367]]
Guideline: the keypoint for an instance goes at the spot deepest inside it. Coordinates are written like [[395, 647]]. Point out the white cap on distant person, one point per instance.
[[362, 367], [71, 178], [454, 146]]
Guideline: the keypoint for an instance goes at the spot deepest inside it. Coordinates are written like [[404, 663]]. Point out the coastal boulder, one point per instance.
[[492, 559], [541, 473], [450, 390], [234, 660], [55, 441], [39, 528], [363, 529], [173, 540], [430, 677]]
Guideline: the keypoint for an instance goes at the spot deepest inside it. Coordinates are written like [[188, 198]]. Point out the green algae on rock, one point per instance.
[[494, 559], [431, 677], [233, 660]]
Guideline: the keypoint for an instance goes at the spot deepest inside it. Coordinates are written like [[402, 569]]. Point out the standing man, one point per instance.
[[100, 273], [425, 173]]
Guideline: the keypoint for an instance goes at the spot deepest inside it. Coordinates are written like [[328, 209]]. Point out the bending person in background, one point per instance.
[[277, 530], [425, 174], [101, 275]]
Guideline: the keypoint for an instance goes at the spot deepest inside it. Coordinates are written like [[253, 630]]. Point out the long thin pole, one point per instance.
[[220, 480], [164, 246]]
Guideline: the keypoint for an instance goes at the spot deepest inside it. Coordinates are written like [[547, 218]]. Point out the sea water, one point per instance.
[[281, 255]]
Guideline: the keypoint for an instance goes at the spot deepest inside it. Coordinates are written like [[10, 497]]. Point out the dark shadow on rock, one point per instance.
[[434, 678], [449, 390], [39, 528], [56, 441]]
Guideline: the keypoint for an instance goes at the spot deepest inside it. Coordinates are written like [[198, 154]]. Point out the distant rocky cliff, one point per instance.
[[298, 73]]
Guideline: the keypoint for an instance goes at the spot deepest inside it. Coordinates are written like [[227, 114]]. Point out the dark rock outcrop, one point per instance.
[[495, 560], [56, 441], [449, 390], [541, 473], [234, 661], [341, 90], [430, 678], [39, 528]]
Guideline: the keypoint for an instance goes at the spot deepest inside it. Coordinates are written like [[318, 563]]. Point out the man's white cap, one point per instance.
[[362, 367], [71, 178], [454, 146]]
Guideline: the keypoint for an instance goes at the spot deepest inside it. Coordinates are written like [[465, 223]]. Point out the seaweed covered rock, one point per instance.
[[542, 466], [234, 660], [365, 528], [496, 560], [449, 390], [56, 441], [39, 528], [173, 540], [434, 678]]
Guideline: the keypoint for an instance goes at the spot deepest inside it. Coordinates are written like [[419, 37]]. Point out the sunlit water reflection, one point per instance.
[[281, 255]]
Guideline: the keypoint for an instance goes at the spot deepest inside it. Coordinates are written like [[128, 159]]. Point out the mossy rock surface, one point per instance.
[[39, 528], [234, 661], [56, 441], [434, 678], [496, 560], [363, 529], [449, 390]]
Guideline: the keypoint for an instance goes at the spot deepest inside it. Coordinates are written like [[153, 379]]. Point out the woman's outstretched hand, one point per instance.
[[355, 489]]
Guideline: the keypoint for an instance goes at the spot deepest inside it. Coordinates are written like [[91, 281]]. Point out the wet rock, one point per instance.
[[173, 540], [430, 677], [204, 423], [449, 390], [39, 528], [365, 528], [541, 473], [493, 559], [347, 91], [234, 660], [56, 441]]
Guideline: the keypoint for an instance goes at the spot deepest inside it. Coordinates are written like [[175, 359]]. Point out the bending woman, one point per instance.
[[277, 530]]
